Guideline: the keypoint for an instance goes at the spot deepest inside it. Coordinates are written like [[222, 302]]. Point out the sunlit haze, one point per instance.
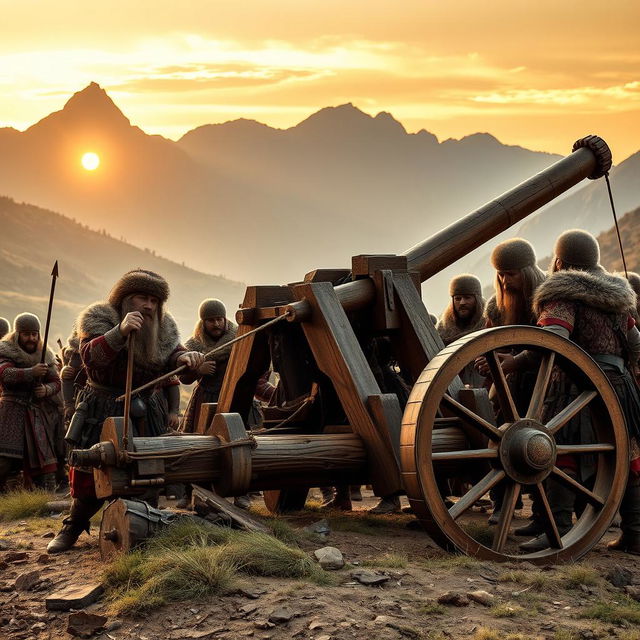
[[90, 161], [534, 74]]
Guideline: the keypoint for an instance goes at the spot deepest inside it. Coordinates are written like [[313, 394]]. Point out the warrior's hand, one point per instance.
[[192, 359], [173, 421], [39, 370], [68, 373], [40, 391], [131, 322], [207, 368]]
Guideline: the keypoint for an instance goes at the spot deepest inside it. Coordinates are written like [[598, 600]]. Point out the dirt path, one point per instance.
[[522, 602]]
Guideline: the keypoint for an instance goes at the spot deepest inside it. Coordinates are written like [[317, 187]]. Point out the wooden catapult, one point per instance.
[[339, 423]]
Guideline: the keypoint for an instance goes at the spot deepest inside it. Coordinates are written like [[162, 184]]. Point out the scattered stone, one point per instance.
[[44, 558], [484, 598], [114, 625], [369, 578], [252, 594], [15, 556], [4, 544], [263, 624], [48, 534], [316, 624], [281, 615], [324, 637], [320, 528], [382, 620], [74, 597], [26, 581], [5, 587], [84, 624], [620, 576], [634, 592], [248, 609], [454, 599], [329, 558], [38, 626]]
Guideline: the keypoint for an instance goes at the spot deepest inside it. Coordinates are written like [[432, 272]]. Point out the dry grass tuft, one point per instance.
[[485, 633], [449, 562], [388, 560], [481, 532], [572, 576], [566, 634], [17, 505], [507, 610], [624, 609]]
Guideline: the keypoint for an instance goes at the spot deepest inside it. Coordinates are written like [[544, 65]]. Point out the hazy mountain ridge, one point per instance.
[[89, 262]]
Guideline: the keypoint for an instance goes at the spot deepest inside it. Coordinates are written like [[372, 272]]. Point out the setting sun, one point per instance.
[[90, 161]]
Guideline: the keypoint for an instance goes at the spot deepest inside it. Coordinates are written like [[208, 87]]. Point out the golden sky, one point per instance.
[[538, 73]]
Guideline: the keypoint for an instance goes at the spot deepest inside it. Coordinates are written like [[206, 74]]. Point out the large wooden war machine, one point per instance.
[[340, 419]]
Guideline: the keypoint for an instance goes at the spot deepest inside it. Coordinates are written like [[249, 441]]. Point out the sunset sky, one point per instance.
[[538, 74]]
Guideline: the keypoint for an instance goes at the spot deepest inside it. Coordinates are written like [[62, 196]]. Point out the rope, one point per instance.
[[181, 368], [615, 219]]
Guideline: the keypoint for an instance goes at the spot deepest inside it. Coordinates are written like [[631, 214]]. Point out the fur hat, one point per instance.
[[211, 308], [5, 327], [513, 254], [466, 284], [26, 322], [578, 248], [139, 281]]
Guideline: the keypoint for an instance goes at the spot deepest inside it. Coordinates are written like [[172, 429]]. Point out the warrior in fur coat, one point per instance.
[[27, 430], [135, 304]]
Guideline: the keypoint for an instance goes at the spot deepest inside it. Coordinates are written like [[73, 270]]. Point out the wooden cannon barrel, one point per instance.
[[591, 158]]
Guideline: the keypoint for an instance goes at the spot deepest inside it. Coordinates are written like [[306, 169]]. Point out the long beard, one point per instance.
[[145, 348], [513, 308]]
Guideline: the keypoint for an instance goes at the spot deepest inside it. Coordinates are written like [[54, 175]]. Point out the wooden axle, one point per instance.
[[233, 462]]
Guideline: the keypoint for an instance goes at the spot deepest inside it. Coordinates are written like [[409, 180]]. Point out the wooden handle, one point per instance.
[[127, 391]]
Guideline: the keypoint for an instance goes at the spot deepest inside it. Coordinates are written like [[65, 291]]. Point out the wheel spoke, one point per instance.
[[466, 454], [550, 527], [564, 449], [577, 488], [534, 411], [472, 418], [507, 405], [476, 492], [511, 493], [572, 409]]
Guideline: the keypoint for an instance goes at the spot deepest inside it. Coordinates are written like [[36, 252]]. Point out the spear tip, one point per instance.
[[54, 271]]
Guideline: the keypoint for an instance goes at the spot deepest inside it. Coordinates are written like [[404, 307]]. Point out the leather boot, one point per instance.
[[629, 540], [74, 524], [342, 499], [387, 505], [327, 497], [561, 501]]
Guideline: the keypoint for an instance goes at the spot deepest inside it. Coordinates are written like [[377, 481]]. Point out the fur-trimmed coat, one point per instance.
[[595, 307], [104, 353], [448, 326], [23, 417]]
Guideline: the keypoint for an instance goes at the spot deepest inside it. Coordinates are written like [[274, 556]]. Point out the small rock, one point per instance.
[[48, 534], [38, 626], [263, 624], [15, 556], [247, 609], [281, 615], [3, 565], [382, 620], [26, 581], [324, 637], [316, 624], [329, 558], [620, 576], [252, 594], [320, 528], [44, 558], [454, 599], [634, 592], [4, 544], [84, 624], [484, 598], [114, 625], [369, 578]]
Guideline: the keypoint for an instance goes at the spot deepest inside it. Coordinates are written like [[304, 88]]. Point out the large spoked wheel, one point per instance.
[[522, 454]]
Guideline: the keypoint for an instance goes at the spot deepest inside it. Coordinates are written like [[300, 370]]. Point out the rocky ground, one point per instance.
[[395, 584]]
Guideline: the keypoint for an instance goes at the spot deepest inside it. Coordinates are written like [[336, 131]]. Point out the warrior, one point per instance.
[[581, 301], [26, 431], [517, 277], [135, 306], [463, 315], [5, 327]]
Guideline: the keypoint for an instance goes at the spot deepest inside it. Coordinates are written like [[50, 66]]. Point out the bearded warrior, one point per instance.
[[135, 305], [26, 430], [465, 311]]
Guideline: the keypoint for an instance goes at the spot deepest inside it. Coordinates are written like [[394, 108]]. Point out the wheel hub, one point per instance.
[[527, 451]]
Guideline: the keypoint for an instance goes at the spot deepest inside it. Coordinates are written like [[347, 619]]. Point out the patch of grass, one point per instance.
[[480, 532], [566, 634], [432, 609], [282, 530], [18, 505], [572, 576], [485, 633], [629, 635], [507, 610], [190, 561], [624, 610], [537, 579], [365, 523], [388, 560], [449, 561], [41, 525]]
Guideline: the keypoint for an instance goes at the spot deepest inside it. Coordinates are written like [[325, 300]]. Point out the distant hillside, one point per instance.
[[630, 233], [90, 261]]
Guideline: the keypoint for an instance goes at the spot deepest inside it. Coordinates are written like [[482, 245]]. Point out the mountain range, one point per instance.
[[266, 205]]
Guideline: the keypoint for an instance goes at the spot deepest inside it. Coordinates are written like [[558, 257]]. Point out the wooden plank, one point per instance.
[[74, 597], [326, 275], [239, 517], [386, 412], [368, 264], [338, 355]]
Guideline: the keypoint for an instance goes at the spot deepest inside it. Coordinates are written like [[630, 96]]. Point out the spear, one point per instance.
[[54, 276]]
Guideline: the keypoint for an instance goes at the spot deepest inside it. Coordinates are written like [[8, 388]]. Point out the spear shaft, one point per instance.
[[54, 277]]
